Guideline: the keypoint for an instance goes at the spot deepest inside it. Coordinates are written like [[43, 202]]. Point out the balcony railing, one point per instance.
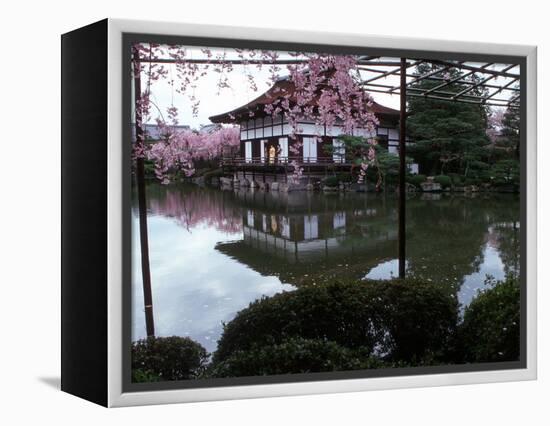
[[284, 161]]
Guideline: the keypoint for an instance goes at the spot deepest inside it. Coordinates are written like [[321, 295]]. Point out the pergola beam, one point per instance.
[[390, 90], [465, 66], [453, 80], [490, 86], [502, 88], [370, 64], [424, 76], [402, 169], [494, 102], [390, 72], [462, 79], [142, 207], [480, 83], [387, 63], [225, 61]]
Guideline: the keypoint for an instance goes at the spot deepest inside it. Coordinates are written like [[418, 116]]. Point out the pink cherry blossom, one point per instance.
[[327, 90]]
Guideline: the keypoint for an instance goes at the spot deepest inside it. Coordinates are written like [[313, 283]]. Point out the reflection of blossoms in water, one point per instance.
[[196, 208]]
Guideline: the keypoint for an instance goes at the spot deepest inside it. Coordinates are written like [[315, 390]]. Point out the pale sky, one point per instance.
[[240, 93]]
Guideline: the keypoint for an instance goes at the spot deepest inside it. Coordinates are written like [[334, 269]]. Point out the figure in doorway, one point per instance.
[[272, 154]]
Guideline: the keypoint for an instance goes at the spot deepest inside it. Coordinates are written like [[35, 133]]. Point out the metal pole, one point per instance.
[[402, 166], [142, 204]]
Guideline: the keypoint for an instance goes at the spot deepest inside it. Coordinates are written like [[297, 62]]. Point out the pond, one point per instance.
[[212, 252]]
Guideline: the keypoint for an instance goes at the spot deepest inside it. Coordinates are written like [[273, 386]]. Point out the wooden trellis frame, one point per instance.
[[498, 83], [483, 84]]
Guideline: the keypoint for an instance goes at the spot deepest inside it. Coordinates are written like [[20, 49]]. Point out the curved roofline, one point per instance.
[[282, 85]]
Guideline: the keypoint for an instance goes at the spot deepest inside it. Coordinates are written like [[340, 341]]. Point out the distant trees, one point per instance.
[[450, 137], [370, 161], [467, 140], [511, 128], [504, 132], [504, 152]]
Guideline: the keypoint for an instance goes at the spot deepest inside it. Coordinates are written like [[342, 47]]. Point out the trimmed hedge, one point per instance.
[[456, 179], [346, 326], [444, 180], [167, 358], [505, 173], [331, 181], [399, 320], [345, 177], [472, 181], [490, 331], [416, 180], [144, 376], [291, 356]]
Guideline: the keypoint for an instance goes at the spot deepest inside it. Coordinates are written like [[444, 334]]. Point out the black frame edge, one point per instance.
[[84, 212]]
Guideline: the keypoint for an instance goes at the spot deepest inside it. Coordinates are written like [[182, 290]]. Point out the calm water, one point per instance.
[[212, 252]]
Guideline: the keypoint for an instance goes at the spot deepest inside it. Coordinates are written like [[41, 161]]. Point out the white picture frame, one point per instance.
[[116, 394]]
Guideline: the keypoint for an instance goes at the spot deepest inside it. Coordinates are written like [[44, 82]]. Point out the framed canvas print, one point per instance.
[[251, 213]]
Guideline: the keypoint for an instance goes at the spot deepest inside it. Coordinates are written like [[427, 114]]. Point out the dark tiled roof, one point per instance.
[[281, 88]]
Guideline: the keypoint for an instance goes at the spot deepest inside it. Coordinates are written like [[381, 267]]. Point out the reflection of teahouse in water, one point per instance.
[[292, 235]]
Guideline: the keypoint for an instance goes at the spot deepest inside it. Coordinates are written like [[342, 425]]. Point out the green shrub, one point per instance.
[[443, 180], [293, 355], [149, 168], [344, 177], [144, 376], [505, 173], [456, 179], [416, 180], [490, 331], [331, 181], [403, 320], [168, 358]]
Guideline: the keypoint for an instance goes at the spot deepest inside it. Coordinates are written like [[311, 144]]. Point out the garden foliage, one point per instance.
[[167, 358]]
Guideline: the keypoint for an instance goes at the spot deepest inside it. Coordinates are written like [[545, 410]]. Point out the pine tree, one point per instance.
[[510, 129], [448, 136]]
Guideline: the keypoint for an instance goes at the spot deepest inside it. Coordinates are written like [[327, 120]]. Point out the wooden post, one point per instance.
[[402, 166], [142, 206]]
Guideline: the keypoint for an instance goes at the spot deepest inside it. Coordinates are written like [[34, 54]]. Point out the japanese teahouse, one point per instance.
[[265, 138]]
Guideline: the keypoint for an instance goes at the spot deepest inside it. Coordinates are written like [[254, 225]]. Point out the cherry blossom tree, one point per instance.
[[494, 124], [326, 90], [179, 149]]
